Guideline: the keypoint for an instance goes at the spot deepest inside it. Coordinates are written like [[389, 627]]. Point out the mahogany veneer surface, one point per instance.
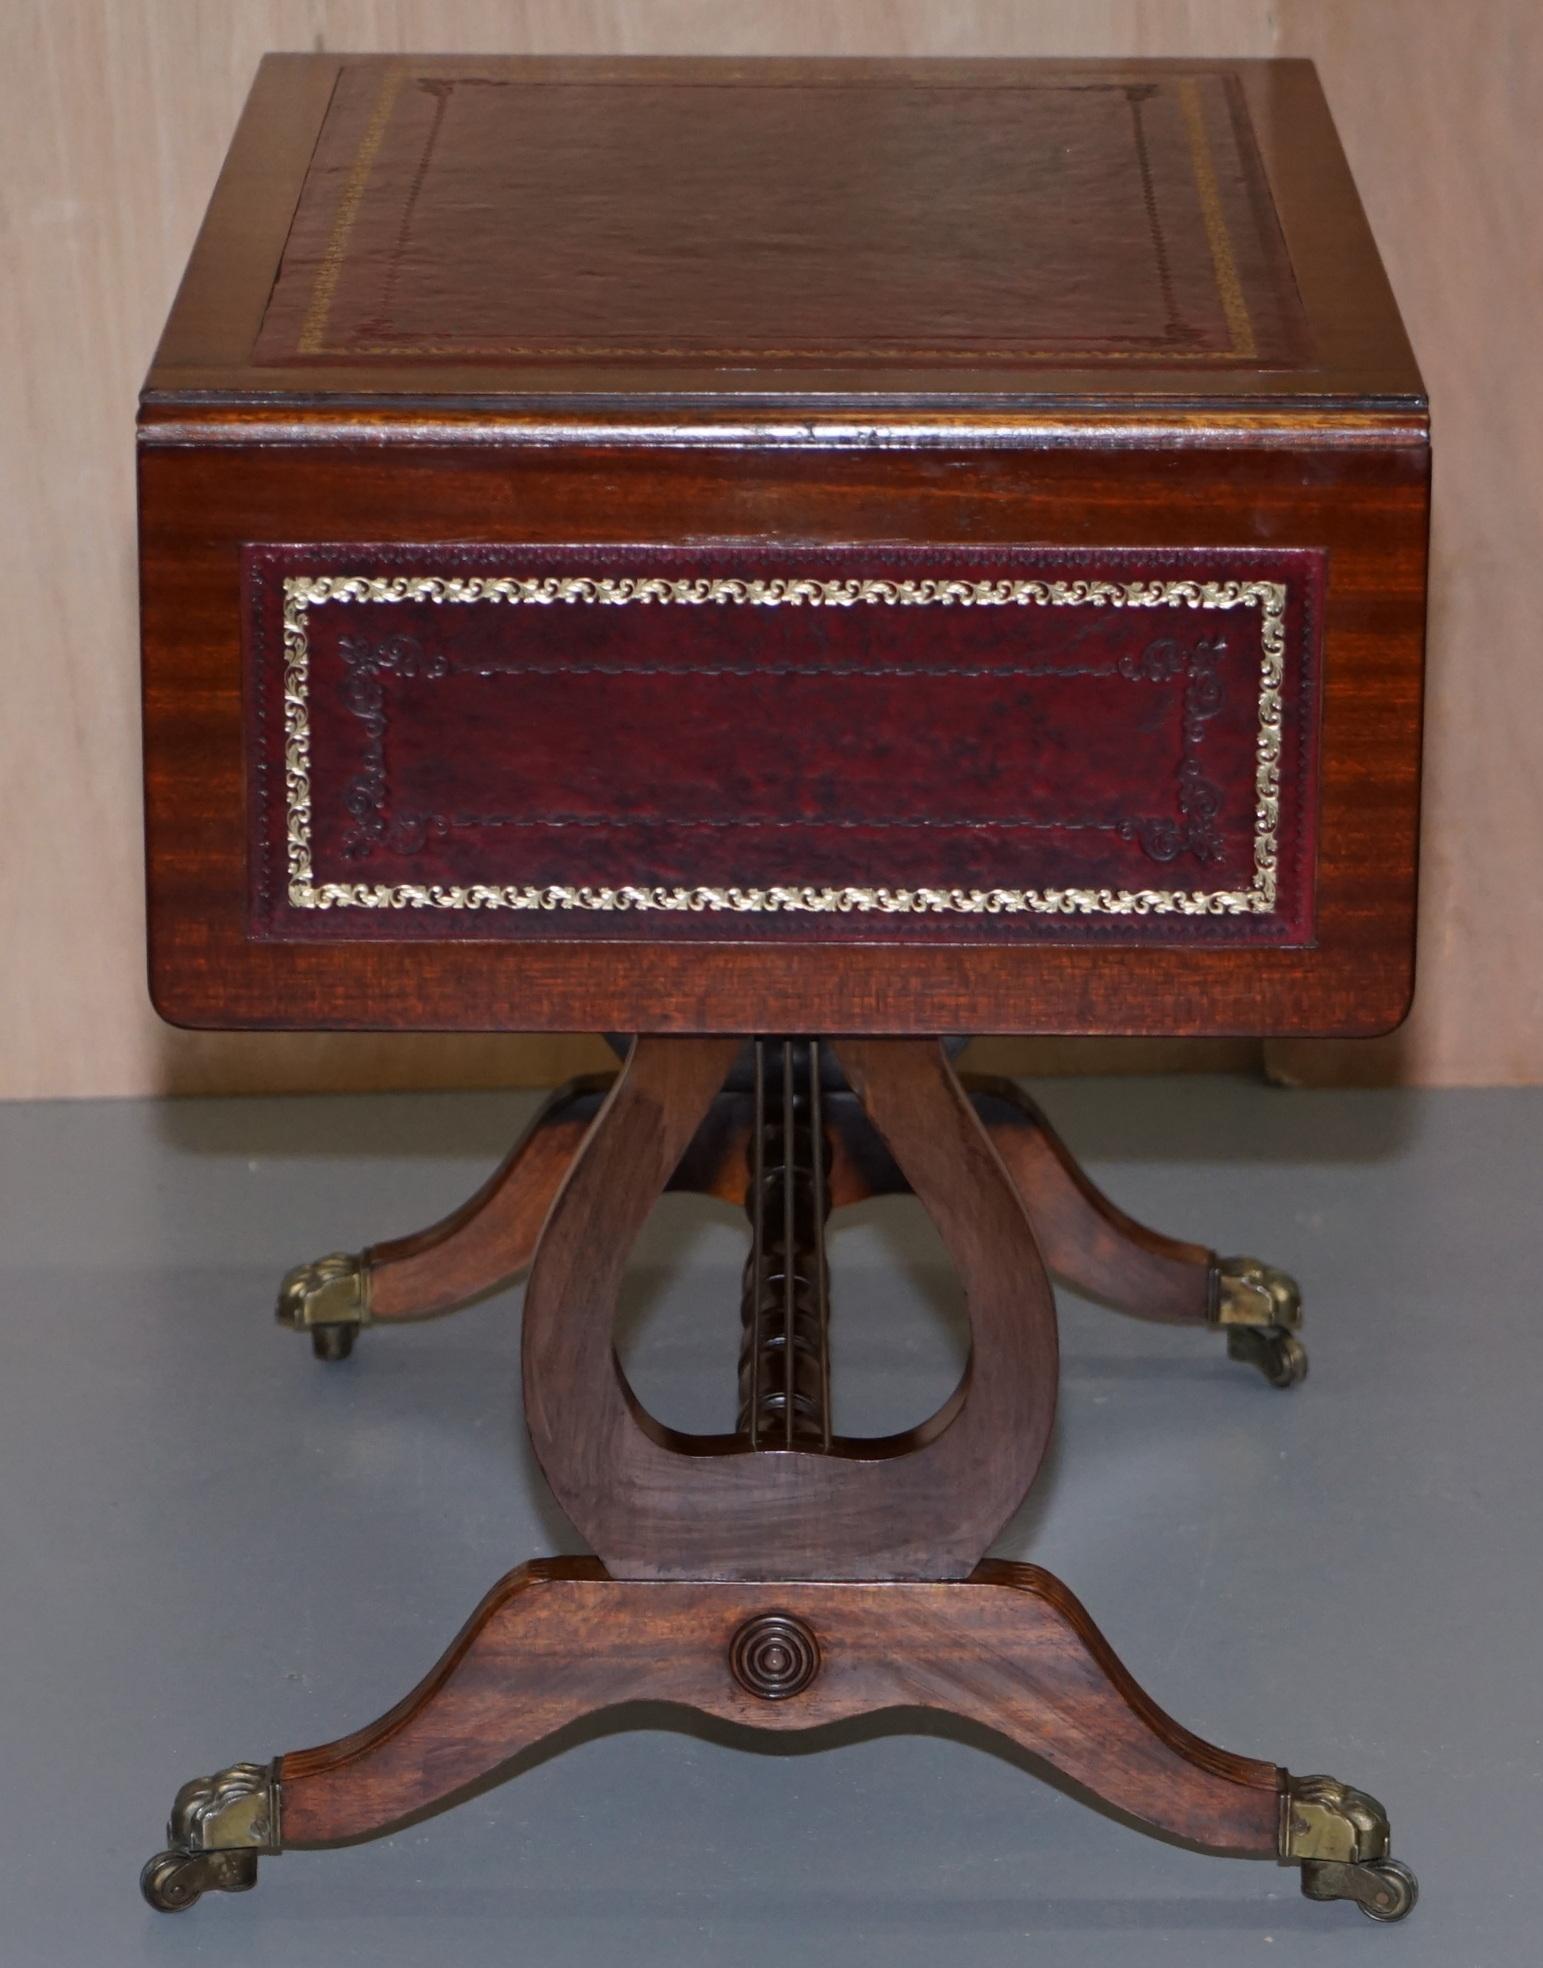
[[721, 545]]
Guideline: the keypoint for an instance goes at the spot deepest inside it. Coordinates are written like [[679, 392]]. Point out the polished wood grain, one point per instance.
[[657, 1504], [1351, 973], [492, 1236], [115, 121], [1086, 1239], [1366, 506], [1340, 469], [558, 1642]]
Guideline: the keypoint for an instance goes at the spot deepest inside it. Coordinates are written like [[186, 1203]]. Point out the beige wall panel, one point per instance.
[[114, 115], [1441, 108]]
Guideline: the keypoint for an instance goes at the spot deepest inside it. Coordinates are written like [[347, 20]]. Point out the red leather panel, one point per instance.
[[920, 215], [858, 743]]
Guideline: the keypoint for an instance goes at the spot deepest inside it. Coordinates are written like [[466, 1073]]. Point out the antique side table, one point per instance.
[[798, 563]]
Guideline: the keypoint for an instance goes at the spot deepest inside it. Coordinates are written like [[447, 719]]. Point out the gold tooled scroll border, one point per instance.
[[302, 593]]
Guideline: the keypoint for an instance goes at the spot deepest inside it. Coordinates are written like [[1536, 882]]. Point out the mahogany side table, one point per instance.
[[796, 562]]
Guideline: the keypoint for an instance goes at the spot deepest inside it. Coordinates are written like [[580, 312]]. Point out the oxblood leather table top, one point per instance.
[[767, 545], [888, 218], [456, 226]]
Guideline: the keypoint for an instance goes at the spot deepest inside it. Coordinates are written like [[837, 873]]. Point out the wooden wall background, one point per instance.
[[114, 115]]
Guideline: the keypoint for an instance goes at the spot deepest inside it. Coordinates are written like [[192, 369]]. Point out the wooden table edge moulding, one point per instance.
[[794, 562]]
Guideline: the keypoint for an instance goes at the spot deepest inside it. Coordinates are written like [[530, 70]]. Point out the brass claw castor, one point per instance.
[[329, 1299], [1339, 1837], [219, 1825], [1260, 1309]]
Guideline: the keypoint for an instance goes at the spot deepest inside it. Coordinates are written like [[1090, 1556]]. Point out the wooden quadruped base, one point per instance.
[[785, 1577]]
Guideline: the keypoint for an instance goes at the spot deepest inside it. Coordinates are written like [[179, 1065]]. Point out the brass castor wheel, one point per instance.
[[168, 1882], [1279, 1355], [330, 1300], [173, 1881], [1339, 1836], [1384, 1889], [1260, 1309], [1393, 1890], [217, 1828]]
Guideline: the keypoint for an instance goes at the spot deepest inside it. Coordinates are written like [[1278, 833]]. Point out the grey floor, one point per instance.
[[213, 1548]]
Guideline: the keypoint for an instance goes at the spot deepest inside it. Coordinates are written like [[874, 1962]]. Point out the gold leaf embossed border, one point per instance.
[[302, 593]]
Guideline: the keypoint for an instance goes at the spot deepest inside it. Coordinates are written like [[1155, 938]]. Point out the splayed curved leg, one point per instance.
[[483, 1244], [1100, 1251]]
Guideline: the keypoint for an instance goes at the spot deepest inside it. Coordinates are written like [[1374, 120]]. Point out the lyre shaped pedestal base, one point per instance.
[[1009, 1649], [783, 1576], [656, 1504]]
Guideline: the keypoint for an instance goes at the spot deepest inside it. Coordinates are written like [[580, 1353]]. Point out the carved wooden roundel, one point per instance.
[[774, 1656]]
